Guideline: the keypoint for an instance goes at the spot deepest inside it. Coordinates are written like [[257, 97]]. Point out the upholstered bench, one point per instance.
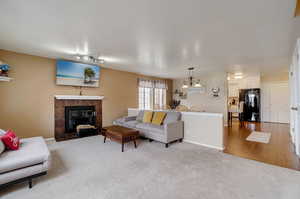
[[30, 161]]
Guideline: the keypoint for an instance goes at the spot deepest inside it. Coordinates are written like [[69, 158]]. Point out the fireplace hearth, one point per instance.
[[70, 114]]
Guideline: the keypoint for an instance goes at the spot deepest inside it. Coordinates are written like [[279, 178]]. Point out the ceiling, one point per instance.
[[155, 37]]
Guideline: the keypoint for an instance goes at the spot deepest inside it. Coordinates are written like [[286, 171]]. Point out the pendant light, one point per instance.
[[191, 82]]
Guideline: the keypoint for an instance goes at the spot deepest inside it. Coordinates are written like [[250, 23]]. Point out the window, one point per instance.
[[160, 97], [152, 94], [145, 98]]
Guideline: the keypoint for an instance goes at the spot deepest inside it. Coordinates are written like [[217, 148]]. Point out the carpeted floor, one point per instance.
[[89, 169]]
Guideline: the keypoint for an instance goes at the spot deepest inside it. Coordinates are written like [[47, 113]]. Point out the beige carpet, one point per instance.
[[89, 169]]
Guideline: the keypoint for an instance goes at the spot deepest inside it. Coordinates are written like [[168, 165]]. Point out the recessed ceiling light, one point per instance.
[[238, 73], [238, 77]]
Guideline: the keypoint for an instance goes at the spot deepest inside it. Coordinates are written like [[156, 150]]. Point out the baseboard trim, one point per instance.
[[205, 145], [49, 139]]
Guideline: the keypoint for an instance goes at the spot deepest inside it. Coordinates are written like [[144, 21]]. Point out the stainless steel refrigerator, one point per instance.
[[251, 99]]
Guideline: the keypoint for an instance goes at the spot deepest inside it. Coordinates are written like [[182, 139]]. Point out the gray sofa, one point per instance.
[[171, 129], [30, 161]]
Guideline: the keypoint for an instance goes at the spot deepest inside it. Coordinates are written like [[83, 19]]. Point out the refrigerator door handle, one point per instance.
[[294, 108]]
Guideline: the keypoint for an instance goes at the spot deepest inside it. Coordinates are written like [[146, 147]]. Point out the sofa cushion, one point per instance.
[[150, 127], [2, 132], [172, 117], [147, 117], [140, 116], [2, 147], [158, 118], [32, 151]]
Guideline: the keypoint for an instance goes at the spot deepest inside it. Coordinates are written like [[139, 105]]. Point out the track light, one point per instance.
[[88, 58]]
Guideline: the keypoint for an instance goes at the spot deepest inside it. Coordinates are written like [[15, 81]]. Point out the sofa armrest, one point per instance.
[[123, 120], [174, 131], [130, 118]]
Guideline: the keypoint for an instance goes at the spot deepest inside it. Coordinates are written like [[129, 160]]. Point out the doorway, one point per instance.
[[295, 99], [275, 115], [275, 105]]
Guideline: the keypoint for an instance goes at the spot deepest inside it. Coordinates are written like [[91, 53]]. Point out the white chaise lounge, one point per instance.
[[30, 161]]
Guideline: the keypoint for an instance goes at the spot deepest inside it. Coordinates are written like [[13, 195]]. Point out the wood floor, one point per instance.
[[279, 151]]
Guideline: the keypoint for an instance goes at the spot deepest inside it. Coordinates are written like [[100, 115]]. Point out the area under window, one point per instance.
[[152, 94]]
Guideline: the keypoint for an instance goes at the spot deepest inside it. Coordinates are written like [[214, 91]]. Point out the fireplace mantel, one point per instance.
[[78, 97]]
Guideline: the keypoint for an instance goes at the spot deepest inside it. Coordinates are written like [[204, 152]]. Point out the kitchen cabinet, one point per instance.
[[248, 82], [233, 90]]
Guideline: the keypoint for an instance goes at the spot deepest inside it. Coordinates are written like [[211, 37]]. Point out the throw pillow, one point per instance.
[[140, 116], [10, 140], [147, 116], [2, 147], [158, 118], [2, 132]]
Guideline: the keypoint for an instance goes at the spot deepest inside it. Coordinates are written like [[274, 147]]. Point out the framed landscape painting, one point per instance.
[[77, 74]]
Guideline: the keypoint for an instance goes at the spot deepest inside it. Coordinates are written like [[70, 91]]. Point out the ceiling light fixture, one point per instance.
[[101, 61], [238, 74], [185, 85], [190, 82], [88, 58], [198, 84], [238, 77]]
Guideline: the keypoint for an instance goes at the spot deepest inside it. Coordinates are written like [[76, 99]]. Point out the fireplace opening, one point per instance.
[[79, 115]]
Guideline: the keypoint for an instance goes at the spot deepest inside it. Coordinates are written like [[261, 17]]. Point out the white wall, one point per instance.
[[205, 101], [275, 99], [206, 129]]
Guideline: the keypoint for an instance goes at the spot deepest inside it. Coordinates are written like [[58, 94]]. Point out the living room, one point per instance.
[[152, 99]]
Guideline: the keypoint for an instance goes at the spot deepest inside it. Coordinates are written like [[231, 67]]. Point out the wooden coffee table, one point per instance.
[[120, 134]]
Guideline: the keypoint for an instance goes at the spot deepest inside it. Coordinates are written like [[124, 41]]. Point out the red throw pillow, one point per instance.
[[10, 140]]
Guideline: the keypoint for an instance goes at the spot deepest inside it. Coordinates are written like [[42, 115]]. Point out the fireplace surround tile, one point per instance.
[[59, 114]]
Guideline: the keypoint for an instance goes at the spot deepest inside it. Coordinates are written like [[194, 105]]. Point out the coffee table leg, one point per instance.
[[122, 146], [104, 139], [134, 141]]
